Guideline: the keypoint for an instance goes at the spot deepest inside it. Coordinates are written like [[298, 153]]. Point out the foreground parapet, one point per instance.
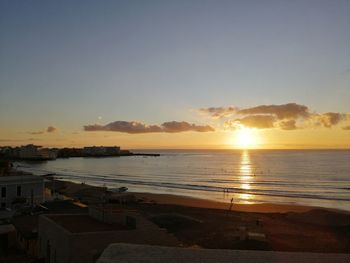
[[124, 253]]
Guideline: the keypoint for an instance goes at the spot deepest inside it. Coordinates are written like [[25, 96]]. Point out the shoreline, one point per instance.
[[71, 188], [181, 200]]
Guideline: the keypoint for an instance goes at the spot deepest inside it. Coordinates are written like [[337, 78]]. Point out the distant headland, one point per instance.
[[39, 153]]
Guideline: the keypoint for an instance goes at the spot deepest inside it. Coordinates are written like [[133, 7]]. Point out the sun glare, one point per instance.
[[245, 138]]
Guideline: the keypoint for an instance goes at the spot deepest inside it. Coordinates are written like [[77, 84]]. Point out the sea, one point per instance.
[[305, 177]]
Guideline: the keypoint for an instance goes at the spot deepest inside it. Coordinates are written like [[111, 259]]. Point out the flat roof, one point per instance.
[[20, 178], [27, 225], [125, 253], [84, 223]]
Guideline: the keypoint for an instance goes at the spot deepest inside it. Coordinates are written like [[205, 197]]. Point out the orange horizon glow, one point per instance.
[[244, 138]]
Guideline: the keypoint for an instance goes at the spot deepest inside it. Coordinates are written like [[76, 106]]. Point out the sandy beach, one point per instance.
[[85, 191], [209, 224]]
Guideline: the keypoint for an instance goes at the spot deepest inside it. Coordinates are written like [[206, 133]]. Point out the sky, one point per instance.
[[175, 74]]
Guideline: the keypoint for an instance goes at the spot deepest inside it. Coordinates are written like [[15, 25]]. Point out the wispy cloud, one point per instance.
[[134, 127], [36, 132], [330, 119], [218, 112], [50, 129]]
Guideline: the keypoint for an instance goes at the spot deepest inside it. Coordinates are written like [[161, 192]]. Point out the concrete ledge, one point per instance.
[[127, 253]]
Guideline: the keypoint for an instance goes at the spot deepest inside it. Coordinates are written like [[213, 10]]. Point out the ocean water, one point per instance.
[[306, 177]]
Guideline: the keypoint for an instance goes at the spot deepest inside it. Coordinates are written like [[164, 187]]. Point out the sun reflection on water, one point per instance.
[[246, 176]]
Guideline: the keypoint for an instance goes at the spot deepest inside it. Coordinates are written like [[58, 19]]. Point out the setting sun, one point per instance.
[[245, 138]]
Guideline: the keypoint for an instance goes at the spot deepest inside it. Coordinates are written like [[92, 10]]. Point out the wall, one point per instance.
[[58, 238], [86, 247]]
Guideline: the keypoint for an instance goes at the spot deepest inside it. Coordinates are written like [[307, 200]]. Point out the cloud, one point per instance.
[[289, 116], [288, 125], [49, 129], [134, 127], [175, 126], [36, 132], [284, 111], [218, 112], [252, 121], [330, 119], [258, 121]]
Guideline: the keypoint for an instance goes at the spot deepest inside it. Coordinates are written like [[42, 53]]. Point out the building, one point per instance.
[[34, 152], [101, 150], [5, 167], [7, 237], [125, 253], [27, 225], [19, 188], [83, 237]]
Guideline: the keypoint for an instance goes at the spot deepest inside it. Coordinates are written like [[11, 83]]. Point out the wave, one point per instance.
[[103, 180]]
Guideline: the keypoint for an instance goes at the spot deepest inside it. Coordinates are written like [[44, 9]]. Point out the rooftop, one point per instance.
[[124, 253], [22, 177], [27, 225], [84, 223]]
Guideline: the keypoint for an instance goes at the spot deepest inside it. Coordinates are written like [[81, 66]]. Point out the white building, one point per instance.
[[31, 151], [28, 189]]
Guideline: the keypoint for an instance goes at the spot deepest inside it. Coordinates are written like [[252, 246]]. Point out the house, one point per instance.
[[27, 225], [18, 188], [83, 237]]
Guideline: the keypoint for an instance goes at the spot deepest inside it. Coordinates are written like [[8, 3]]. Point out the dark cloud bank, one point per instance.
[[290, 116], [134, 127]]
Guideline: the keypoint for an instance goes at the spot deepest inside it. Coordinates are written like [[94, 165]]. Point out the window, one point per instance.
[[19, 190], [3, 191]]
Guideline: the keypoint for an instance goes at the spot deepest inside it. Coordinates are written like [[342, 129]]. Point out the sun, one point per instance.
[[245, 138]]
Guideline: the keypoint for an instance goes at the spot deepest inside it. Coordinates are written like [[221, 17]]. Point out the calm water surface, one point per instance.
[[320, 178]]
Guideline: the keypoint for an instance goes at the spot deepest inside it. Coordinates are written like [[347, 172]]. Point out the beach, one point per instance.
[[209, 224]]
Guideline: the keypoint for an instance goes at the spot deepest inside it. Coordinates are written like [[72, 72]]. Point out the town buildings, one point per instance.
[[29, 152]]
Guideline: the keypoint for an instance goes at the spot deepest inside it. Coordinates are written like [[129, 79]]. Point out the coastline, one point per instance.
[[170, 199], [248, 178], [180, 200]]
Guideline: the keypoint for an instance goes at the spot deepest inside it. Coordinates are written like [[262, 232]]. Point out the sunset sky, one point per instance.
[[175, 74]]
